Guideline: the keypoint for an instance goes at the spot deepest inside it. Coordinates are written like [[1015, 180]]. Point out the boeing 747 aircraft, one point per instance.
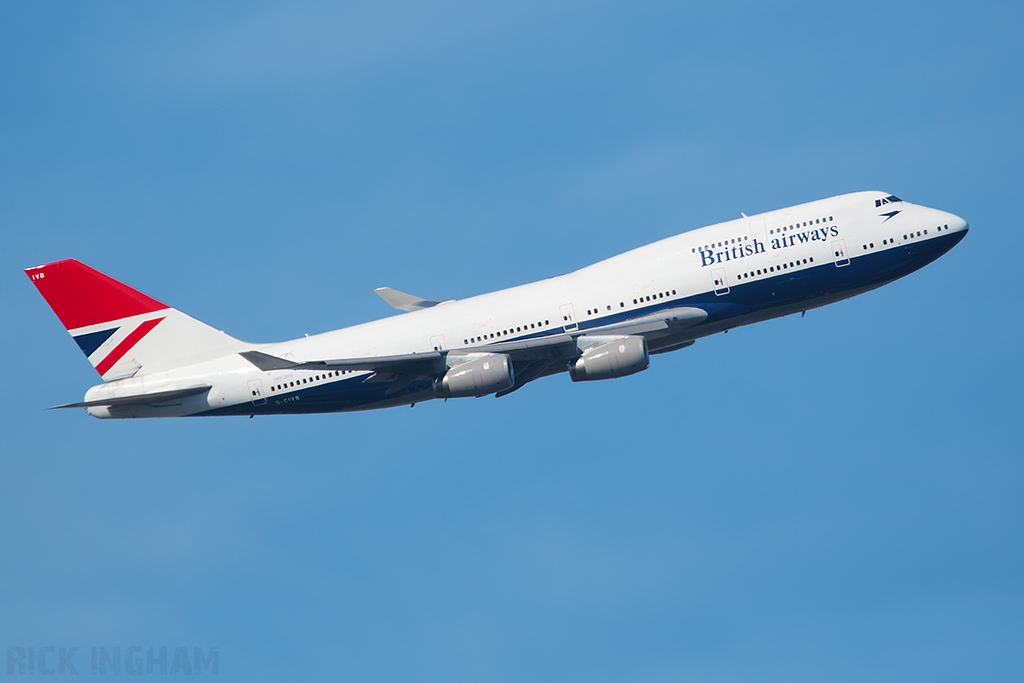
[[600, 322]]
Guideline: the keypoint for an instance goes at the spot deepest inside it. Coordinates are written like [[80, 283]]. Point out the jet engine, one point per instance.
[[477, 376], [616, 358]]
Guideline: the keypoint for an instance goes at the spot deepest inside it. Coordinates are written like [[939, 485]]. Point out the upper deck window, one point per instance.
[[888, 200]]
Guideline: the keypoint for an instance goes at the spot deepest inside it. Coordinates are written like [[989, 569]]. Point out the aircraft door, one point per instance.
[[256, 392], [839, 252], [437, 342], [718, 277], [568, 317], [757, 227]]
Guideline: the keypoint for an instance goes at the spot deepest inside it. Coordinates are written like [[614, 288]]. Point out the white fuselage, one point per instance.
[[738, 272]]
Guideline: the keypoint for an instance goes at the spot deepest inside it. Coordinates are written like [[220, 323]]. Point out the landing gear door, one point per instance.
[[839, 253], [256, 392], [718, 278], [568, 318]]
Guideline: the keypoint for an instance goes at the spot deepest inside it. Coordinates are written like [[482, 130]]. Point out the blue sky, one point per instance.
[[836, 497]]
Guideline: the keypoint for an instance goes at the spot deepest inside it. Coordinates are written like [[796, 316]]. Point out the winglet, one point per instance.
[[405, 302]]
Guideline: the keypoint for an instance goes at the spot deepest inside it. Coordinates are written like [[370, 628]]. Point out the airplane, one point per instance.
[[600, 322]]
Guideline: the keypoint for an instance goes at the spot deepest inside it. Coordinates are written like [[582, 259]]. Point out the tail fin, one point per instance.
[[122, 331]]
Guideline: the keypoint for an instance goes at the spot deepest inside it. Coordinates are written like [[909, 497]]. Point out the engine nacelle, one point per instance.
[[617, 358], [484, 375]]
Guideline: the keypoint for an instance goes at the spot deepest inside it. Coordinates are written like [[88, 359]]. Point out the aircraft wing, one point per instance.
[[672, 319], [406, 302], [528, 349], [426, 359], [541, 355], [538, 358]]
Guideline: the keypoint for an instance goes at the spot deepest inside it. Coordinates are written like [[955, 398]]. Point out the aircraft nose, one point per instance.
[[956, 223]]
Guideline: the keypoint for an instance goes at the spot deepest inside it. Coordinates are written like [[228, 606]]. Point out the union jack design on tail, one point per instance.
[[121, 330]]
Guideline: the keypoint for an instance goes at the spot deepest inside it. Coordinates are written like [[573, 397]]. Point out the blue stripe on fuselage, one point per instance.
[[342, 394]]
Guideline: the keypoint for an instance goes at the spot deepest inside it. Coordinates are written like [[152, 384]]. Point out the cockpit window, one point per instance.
[[891, 199]]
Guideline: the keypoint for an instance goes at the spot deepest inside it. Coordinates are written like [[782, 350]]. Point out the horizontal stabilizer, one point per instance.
[[141, 399], [266, 362], [406, 302]]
